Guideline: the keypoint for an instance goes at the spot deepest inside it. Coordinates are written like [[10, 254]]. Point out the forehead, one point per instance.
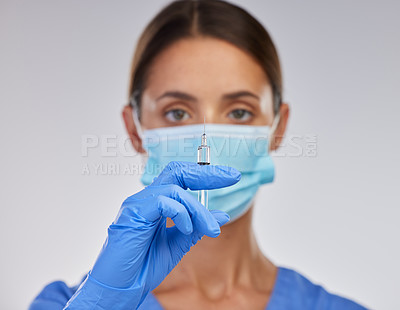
[[205, 64]]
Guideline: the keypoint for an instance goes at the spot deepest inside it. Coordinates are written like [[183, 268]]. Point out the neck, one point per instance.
[[215, 266]]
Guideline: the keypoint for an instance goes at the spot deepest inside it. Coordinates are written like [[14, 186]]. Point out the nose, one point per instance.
[[209, 114]]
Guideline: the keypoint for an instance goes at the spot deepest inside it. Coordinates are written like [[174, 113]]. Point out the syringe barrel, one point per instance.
[[203, 197], [203, 158], [203, 155]]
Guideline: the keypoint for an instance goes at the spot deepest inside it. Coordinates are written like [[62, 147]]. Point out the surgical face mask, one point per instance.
[[240, 146]]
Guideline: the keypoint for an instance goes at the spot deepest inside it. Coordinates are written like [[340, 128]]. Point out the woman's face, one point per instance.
[[205, 77], [201, 78]]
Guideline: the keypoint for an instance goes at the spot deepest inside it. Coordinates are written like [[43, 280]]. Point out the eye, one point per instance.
[[240, 115], [177, 115]]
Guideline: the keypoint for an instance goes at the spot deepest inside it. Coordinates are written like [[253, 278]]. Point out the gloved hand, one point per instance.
[[140, 250]]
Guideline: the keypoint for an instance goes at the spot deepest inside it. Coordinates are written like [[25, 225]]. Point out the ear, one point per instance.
[[127, 115], [279, 133]]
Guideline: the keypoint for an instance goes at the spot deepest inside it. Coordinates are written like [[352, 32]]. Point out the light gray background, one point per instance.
[[334, 217]]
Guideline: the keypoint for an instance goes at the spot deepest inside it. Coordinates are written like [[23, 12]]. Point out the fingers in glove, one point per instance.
[[173, 209], [203, 221], [194, 176]]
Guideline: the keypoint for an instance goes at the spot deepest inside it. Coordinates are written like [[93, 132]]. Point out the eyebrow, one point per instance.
[[238, 94], [177, 95], [185, 96]]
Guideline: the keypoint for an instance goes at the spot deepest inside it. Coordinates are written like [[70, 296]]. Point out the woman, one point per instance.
[[196, 61]]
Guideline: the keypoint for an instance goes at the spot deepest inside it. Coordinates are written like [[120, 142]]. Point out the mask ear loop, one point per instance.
[[135, 114], [274, 126]]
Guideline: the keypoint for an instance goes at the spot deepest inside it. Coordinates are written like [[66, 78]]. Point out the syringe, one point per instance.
[[203, 158]]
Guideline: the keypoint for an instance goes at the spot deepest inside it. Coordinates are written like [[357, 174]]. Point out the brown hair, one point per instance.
[[213, 18]]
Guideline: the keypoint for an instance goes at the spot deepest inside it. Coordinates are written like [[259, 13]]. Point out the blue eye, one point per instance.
[[240, 115], [177, 115]]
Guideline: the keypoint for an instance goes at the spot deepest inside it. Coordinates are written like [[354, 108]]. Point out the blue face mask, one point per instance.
[[242, 147]]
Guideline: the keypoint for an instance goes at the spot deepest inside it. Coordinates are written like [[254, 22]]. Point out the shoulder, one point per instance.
[[294, 291], [53, 296]]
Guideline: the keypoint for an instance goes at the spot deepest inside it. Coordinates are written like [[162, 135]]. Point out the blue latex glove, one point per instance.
[[140, 250]]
